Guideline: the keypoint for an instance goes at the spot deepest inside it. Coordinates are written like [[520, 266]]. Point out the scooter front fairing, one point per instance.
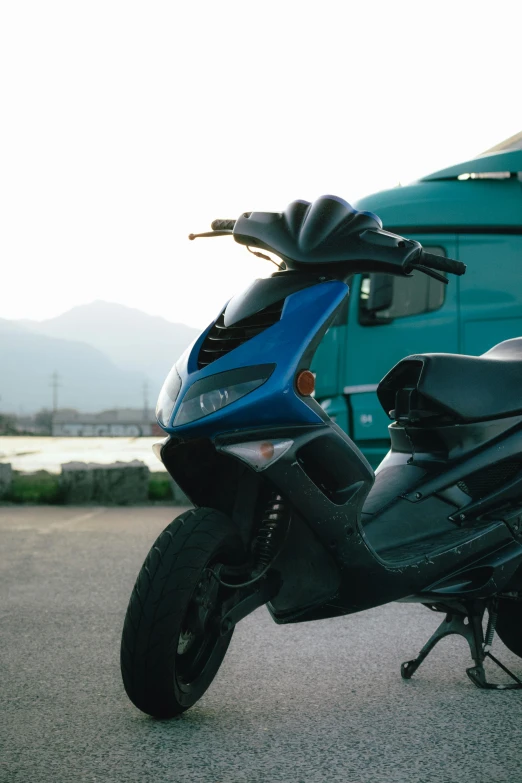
[[206, 456], [283, 348]]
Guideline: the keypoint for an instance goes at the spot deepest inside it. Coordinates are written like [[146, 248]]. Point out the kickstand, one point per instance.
[[467, 623]]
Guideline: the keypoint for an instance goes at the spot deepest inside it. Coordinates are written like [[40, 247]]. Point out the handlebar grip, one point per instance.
[[222, 225], [442, 264]]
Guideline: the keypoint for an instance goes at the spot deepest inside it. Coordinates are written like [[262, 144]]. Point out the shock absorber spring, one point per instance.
[[492, 624], [269, 534]]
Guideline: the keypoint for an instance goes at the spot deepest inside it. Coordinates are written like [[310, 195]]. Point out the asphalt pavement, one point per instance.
[[312, 702]]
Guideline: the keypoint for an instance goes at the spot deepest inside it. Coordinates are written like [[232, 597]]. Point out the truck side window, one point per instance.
[[383, 298]]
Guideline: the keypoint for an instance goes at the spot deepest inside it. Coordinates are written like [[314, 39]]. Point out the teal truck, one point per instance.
[[471, 212]]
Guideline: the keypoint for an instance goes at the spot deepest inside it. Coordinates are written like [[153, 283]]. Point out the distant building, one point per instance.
[[26, 423], [122, 422]]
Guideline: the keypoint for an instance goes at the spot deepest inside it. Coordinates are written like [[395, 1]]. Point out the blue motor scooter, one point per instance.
[[287, 511]]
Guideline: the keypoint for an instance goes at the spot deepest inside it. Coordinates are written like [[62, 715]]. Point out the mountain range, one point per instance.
[[103, 354]]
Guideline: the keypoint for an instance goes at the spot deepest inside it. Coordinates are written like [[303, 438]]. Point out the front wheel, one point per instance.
[[172, 645]]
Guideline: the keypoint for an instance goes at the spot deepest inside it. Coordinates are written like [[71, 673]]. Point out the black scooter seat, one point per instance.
[[471, 388]]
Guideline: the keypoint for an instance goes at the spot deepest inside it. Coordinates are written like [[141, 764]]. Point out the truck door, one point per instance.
[[490, 291], [421, 317]]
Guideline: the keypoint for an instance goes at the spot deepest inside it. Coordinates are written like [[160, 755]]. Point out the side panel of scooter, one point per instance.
[[421, 521], [389, 548], [471, 473]]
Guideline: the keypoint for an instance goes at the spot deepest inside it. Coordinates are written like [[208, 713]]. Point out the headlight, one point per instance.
[[167, 397], [217, 391]]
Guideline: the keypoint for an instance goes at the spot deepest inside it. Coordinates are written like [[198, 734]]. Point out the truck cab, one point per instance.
[[471, 212]]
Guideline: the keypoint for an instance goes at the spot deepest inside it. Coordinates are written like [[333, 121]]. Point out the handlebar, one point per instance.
[[222, 225], [362, 246], [441, 263]]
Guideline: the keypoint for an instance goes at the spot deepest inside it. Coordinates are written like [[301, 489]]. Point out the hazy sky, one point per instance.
[[126, 125]]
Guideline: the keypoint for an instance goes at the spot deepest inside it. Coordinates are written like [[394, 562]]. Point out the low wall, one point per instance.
[[80, 483], [120, 483], [6, 478]]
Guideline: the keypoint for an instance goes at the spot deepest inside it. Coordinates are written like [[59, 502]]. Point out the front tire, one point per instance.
[[172, 646]]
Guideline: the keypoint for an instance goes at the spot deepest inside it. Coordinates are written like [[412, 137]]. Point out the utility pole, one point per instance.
[[145, 401], [55, 384]]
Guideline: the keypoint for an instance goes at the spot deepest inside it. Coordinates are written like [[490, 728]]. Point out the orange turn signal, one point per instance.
[[266, 450], [305, 383]]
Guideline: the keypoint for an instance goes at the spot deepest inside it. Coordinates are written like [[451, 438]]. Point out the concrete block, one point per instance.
[[77, 483], [6, 477], [119, 483]]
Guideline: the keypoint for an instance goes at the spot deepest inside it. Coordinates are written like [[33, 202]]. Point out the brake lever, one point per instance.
[[430, 273]]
